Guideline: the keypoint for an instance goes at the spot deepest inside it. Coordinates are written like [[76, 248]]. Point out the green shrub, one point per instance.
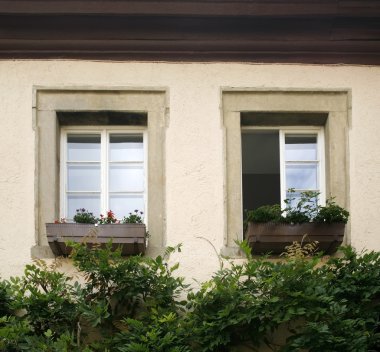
[[332, 307], [47, 298], [133, 305], [158, 332], [5, 299]]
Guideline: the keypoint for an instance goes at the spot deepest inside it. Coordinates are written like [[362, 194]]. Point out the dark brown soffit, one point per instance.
[[277, 8], [303, 31]]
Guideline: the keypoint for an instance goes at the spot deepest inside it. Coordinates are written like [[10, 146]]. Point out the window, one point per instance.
[[102, 169], [118, 111], [277, 159], [322, 114]]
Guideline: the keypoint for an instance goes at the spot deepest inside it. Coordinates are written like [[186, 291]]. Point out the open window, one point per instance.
[[275, 160], [280, 139]]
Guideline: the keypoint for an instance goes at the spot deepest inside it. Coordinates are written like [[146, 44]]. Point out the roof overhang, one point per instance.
[[303, 31]]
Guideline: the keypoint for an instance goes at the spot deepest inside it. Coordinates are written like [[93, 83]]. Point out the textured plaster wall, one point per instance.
[[194, 145]]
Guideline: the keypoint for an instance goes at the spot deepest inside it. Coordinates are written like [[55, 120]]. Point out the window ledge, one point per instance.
[[232, 252], [41, 252], [273, 237], [130, 237]]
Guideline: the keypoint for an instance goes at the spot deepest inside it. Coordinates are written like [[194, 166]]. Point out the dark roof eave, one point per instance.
[[215, 8]]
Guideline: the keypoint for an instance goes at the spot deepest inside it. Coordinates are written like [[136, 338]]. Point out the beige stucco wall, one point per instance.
[[194, 154]]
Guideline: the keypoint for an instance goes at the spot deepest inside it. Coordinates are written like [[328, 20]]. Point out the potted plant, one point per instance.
[[270, 229], [129, 233]]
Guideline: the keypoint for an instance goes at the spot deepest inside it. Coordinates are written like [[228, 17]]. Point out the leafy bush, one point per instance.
[[133, 305], [58, 315], [159, 333], [5, 299], [116, 287], [332, 307]]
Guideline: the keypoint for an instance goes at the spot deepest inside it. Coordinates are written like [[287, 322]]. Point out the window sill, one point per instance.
[[130, 237], [232, 252], [273, 238]]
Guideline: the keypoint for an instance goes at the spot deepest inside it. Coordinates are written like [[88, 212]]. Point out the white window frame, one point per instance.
[[104, 132], [319, 130]]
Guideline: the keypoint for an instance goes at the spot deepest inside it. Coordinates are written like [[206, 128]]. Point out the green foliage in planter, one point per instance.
[[331, 213], [83, 216], [134, 218], [265, 213], [305, 210]]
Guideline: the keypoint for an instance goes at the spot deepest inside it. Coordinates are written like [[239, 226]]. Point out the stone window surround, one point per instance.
[[48, 101], [336, 104]]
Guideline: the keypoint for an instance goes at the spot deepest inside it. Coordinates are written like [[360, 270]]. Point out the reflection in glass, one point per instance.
[[300, 147], [122, 205], [91, 202], [302, 176], [126, 147], [126, 178], [83, 147], [83, 177], [295, 197]]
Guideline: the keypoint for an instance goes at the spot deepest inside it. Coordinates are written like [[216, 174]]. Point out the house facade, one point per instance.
[[206, 97]]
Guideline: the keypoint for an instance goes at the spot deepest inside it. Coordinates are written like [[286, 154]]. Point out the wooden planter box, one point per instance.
[[131, 237], [272, 237]]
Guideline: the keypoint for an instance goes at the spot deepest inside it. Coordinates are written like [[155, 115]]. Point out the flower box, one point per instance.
[[274, 237], [131, 237]]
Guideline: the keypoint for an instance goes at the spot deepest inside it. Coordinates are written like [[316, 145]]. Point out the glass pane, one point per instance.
[[300, 147], [83, 147], [90, 202], [83, 177], [301, 176], [126, 178], [122, 205], [126, 147], [296, 197]]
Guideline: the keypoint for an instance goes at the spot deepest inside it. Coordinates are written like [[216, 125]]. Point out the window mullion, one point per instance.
[[145, 175], [282, 167], [104, 173], [63, 175], [321, 168]]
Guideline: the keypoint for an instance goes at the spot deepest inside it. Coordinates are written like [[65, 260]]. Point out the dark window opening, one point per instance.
[[106, 118], [260, 168]]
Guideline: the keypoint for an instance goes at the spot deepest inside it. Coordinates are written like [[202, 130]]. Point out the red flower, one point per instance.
[[110, 214]]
